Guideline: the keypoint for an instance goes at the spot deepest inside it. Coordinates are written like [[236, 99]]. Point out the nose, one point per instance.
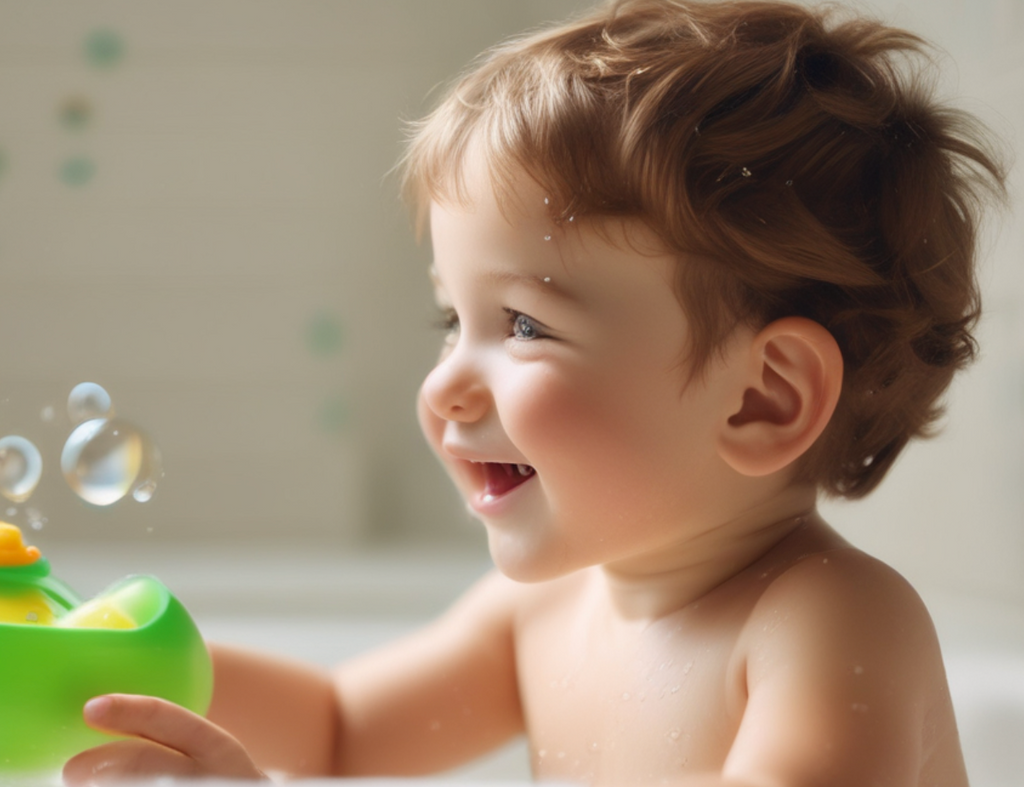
[[455, 390]]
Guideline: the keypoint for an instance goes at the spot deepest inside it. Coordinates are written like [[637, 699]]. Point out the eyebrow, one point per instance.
[[544, 285]]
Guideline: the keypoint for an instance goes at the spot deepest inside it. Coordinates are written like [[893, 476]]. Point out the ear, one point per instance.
[[790, 389]]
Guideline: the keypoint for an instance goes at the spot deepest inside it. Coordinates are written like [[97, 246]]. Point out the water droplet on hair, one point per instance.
[[746, 172], [87, 401], [868, 461], [21, 467], [789, 183]]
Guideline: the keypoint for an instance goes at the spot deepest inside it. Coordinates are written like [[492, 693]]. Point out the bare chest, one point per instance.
[[602, 705]]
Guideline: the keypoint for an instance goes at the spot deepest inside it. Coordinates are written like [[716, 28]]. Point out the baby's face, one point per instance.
[[559, 405]]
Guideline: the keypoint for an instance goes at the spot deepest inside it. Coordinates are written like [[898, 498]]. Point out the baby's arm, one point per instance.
[[429, 701], [845, 682]]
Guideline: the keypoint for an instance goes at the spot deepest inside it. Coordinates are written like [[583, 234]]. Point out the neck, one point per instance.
[[648, 587]]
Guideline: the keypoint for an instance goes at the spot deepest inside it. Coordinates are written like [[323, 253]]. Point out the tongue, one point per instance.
[[501, 477]]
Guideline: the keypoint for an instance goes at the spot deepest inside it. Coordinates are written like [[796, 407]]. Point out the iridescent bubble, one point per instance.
[[105, 459], [21, 466], [88, 401]]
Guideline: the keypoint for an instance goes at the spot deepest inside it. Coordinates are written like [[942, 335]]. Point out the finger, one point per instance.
[[122, 760], [215, 750]]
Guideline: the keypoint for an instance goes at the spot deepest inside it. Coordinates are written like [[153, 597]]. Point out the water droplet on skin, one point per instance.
[[674, 689], [21, 467], [542, 753], [571, 218], [547, 237], [87, 401], [868, 460], [546, 201], [547, 279], [674, 735], [105, 459], [561, 755], [593, 746]]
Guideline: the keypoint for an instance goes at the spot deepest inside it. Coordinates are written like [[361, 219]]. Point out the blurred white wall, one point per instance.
[[195, 212]]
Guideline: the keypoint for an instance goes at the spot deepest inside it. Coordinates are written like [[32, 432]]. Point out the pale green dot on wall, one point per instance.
[[324, 335], [75, 113], [77, 171], [104, 48], [333, 415]]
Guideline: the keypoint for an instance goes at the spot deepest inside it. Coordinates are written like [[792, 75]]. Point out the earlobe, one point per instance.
[[790, 389]]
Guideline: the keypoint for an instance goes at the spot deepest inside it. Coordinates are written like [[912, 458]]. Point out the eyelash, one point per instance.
[[517, 323]]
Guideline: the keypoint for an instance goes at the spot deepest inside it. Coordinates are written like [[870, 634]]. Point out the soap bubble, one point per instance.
[[21, 466], [87, 401], [105, 459]]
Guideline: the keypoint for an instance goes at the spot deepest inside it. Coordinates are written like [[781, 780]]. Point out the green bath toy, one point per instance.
[[57, 652]]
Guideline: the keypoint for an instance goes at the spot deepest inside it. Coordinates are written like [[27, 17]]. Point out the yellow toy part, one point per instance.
[[13, 551]]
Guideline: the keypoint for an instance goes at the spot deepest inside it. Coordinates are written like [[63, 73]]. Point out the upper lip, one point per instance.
[[467, 454]]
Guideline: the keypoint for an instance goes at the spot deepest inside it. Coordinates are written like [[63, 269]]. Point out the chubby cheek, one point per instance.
[[565, 424]]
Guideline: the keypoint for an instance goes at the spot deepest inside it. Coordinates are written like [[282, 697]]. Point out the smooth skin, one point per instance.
[[668, 606]]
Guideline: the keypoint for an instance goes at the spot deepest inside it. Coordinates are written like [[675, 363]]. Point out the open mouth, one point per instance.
[[501, 477]]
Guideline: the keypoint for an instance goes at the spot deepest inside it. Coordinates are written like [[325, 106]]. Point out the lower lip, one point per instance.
[[487, 504]]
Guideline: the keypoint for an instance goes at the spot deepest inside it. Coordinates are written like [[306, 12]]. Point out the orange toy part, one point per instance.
[[13, 551]]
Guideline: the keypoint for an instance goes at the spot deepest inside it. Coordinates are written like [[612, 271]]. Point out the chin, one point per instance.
[[521, 562]]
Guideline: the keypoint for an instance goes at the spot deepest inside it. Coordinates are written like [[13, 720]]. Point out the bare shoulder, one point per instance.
[[841, 655], [838, 590], [842, 606]]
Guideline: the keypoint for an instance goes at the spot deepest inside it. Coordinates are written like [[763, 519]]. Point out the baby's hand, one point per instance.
[[165, 740]]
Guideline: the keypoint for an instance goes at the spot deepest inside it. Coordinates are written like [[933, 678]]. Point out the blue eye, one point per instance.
[[523, 328]]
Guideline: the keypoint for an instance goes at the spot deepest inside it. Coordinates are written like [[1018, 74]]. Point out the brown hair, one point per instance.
[[796, 158]]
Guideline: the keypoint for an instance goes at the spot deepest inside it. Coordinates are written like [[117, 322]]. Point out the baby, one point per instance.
[[699, 264]]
